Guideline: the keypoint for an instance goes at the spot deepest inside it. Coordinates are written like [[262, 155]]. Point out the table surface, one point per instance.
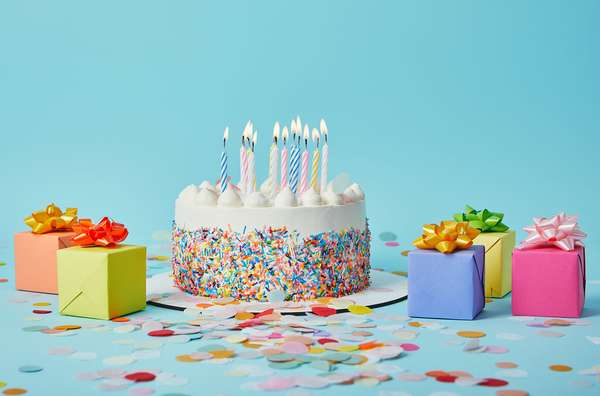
[[67, 356]]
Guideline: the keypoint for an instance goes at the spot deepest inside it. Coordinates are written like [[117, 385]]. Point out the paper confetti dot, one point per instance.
[[392, 244], [388, 236], [41, 304], [470, 334], [511, 392], [14, 391], [30, 369], [161, 333], [4, 280], [323, 311], [560, 368], [41, 311], [359, 310], [506, 365], [140, 376]]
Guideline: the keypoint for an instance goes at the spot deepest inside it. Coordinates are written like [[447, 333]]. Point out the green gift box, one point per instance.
[[101, 282]]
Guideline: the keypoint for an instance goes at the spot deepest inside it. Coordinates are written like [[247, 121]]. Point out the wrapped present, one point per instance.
[[35, 251], [446, 273], [101, 278], [549, 269], [499, 242]]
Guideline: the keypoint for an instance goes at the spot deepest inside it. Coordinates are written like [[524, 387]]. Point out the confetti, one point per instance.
[[30, 369], [560, 368], [470, 334]]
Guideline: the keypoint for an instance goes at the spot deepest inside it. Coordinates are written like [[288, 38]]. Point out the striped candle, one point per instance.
[[304, 174], [324, 156], [284, 159], [224, 176], [295, 159], [315, 161]]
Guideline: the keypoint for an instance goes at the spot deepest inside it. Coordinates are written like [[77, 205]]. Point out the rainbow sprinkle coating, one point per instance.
[[260, 263]]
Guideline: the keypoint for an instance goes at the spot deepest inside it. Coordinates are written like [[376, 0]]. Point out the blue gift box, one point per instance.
[[446, 286]]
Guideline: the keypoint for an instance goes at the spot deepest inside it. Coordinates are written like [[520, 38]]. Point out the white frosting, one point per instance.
[[188, 193], [207, 185], [285, 199], [311, 198], [206, 197], [306, 220], [360, 195], [195, 208], [256, 200], [350, 195], [332, 198], [229, 198]]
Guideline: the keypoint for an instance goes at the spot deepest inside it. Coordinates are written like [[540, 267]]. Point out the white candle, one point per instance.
[[273, 159], [324, 156], [252, 166]]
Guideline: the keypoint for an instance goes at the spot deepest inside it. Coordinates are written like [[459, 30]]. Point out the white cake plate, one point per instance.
[[386, 288]]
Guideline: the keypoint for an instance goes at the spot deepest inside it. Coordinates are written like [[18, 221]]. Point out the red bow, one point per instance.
[[105, 233]]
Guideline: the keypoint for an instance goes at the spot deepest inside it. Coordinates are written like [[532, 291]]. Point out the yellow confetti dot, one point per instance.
[[359, 310], [415, 324], [316, 350], [67, 327], [41, 304], [2, 384], [185, 359], [347, 348], [400, 273], [222, 354], [560, 367], [324, 300], [236, 338], [244, 315], [470, 334], [252, 345]]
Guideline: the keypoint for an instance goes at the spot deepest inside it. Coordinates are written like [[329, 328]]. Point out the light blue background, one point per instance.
[[115, 106]]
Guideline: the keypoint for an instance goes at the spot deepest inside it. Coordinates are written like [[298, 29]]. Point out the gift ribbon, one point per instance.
[[447, 236], [561, 231], [51, 219], [483, 220], [105, 233]]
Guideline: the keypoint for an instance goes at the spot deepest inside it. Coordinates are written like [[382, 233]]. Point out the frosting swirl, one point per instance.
[[311, 198], [188, 193], [286, 198], [350, 195], [230, 198], [358, 192], [332, 198], [256, 199], [206, 197]]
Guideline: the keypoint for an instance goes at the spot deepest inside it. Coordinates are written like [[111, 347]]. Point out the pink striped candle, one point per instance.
[[304, 169], [284, 159]]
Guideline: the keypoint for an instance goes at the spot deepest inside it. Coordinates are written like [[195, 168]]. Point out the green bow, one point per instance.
[[483, 220]]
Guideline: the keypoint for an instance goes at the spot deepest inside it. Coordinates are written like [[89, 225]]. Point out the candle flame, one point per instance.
[[226, 134], [315, 136], [285, 134], [323, 127], [276, 131], [306, 134], [254, 138], [298, 124]]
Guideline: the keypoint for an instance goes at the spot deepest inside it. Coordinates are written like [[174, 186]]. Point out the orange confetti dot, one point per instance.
[[185, 359], [436, 373], [222, 354], [120, 320], [471, 334], [506, 365], [203, 305], [67, 327], [415, 324], [14, 391], [511, 392], [369, 345], [560, 368]]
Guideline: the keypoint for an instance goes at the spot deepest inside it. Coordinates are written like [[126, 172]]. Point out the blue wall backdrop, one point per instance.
[[115, 106]]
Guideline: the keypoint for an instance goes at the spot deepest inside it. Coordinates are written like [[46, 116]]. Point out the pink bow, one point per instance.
[[560, 231]]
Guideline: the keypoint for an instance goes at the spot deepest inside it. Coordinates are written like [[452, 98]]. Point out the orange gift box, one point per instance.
[[35, 259]]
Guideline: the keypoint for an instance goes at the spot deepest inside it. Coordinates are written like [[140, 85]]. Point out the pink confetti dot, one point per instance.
[[392, 244], [294, 347], [410, 347]]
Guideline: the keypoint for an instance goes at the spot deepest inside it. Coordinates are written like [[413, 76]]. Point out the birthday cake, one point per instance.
[[294, 238]]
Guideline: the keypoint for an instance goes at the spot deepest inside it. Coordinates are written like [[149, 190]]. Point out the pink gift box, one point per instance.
[[548, 282]]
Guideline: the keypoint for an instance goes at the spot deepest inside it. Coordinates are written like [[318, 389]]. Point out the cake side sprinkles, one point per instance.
[[249, 266]]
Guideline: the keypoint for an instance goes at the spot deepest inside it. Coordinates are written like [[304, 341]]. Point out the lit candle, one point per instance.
[[273, 158], [224, 176], [244, 160], [252, 165], [284, 158], [295, 161], [315, 160], [304, 174], [324, 156]]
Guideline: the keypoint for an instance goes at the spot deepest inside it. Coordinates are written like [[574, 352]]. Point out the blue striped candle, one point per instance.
[[224, 176]]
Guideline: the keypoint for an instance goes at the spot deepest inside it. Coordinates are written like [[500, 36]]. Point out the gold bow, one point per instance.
[[447, 237], [51, 219]]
